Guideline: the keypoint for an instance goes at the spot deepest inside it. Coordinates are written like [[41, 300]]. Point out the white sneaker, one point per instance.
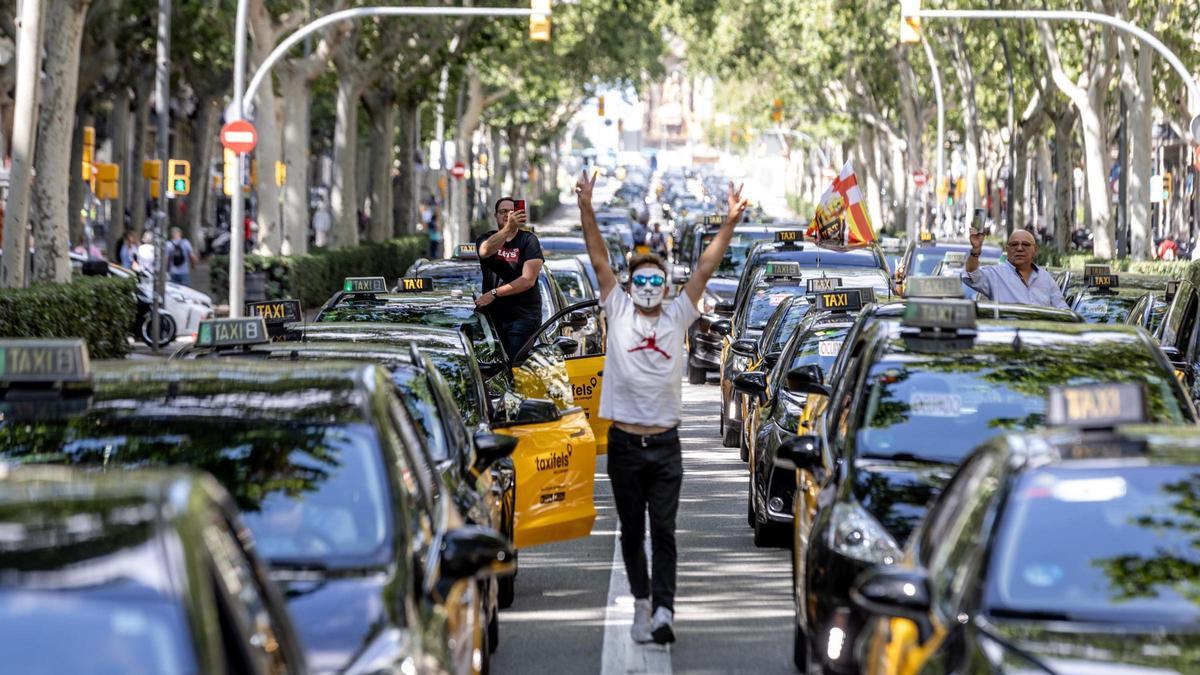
[[640, 631], [660, 626]]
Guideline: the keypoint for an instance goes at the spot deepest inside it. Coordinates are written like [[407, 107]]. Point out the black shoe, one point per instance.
[[660, 626]]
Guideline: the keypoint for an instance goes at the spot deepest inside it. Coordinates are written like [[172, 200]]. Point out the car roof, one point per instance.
[[1135, 445], [994, 310], [953, 245], [430, 298], [423, 266], [426, 337], [1035, 334], [809, 252]]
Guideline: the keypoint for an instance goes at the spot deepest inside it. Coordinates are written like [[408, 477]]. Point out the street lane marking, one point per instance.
[[621, 654]]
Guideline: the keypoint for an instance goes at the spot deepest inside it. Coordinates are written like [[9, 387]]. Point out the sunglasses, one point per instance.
[[654, 280]]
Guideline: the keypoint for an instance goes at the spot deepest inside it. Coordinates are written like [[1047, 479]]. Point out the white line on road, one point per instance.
[[621, 654]]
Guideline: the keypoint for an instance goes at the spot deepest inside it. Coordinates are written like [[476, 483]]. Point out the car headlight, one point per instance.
[[789, 413], [856, 534]]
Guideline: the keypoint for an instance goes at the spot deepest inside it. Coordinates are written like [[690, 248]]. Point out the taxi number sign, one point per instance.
[[839, 301], [1096, 405], [232, 332], [365, 285], [275, 312], [934, 287], [782, 269], [829, 348], [1102, 281], [824, 284], [950, 314], [43, 361], [414, 284]]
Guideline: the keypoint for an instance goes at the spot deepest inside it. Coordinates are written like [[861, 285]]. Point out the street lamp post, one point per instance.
[[243, 95]]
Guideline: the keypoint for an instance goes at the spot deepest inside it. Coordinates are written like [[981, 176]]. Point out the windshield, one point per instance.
[[309, 493], [925, 261], [455, 278], [110, 629], [440, 315], [456, 371], [418, 399], [1111, 544], [1105, 308], [572, 285], [737, 253], [765, 299], [819, 347], [563, 247], [792, 315], [963, 398]]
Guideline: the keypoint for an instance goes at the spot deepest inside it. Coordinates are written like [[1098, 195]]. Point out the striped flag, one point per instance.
[[841, 217]]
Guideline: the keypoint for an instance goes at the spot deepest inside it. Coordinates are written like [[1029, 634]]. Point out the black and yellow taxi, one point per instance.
[[1070, 550], [560, 507], [1101, 299], [1151, 307], [914, 395], [326, 465], [138, 572], [1178, 333], [924, 255], [778, 411]]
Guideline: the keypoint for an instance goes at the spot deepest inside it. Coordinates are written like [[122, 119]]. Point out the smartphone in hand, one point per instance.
[[518, 205]]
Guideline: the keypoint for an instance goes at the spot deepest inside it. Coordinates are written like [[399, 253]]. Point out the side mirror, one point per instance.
[[94, 268], [799, 452], [751, 382], [576, 320], [771, 358], [472, 552], [567, 345], [744, 347], [899, 592], [721, 327], [807, 380], [491, 448], [535, 410], [724, 308]]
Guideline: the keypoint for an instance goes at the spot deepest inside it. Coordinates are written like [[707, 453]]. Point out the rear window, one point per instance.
[[787, 325], [440, 315], [763, 301], [819, 347], [1105, 308]]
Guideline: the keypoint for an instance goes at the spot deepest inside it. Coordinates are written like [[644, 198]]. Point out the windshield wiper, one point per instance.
[[1032, 614], [904, 457], [982, 627]]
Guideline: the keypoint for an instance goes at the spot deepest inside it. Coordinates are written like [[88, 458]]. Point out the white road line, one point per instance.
[[621, 654]]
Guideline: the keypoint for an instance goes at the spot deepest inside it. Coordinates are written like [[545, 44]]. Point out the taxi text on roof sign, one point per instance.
[[824, 284], [1096, 406], [43, 361], [1096, 270], [933, 287], [275, 311], [847, 300], [714, 220], [781, 269], [940, 314], [414, 284], [789, 235], [1102, 281], [466, 248], [232, 332], [364, 285]]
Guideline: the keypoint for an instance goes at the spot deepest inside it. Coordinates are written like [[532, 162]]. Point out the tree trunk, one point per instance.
[[77, 194], [966, 80], [1017, 201], [870, 172], [406, 198], [496, 166], [295, 91], [141, 125], [120, 141], [1043, 186], [1064, 167], [55, 130], [267, 153], [1141, 158], [382, 156], [24, 150], [468, 122], [344, 195], [915, 150], [1095, 163], [204, 129]]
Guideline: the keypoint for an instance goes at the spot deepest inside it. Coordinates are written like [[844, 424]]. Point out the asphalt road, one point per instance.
[[733, 609]]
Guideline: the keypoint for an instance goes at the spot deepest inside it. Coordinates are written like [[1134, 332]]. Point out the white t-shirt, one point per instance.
[[643, 367]]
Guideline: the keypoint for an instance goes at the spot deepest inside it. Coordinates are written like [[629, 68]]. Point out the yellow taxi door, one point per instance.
[[586, 375]]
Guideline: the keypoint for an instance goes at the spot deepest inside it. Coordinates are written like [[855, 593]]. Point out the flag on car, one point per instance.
[[841, 217]]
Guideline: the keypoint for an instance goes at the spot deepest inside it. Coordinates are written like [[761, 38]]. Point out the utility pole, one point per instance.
[[162, 96], [24, 138]]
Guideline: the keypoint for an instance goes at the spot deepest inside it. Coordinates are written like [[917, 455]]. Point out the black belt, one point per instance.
[[661, 438]]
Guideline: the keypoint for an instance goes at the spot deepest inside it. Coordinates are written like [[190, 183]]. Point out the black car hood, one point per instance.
[[898, 493], [1071, 648], [722, 287], [335, 616]]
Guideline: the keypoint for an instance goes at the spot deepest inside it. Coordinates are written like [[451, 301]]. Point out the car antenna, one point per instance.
[[1016, 343]]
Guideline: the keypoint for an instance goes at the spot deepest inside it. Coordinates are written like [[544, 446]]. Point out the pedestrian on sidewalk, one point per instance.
[[511, 259], [180, 258], [642, 395]]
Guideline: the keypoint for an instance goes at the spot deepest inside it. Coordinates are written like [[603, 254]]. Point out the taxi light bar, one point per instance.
[[1096, 270], [781, 269], [414, 285], [44, 361], [925, 236], [232, 332], [823, 284], [954, 257], [845, 300], [939, 314], [364, 285], [867, 294], [276, 312], [1096, 406], [1102, 281], [933, 287], [789, 236], [466, 251], [714, 220]]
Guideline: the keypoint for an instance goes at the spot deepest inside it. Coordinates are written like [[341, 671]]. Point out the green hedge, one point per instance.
[[1175, 269], [101, 310], [312, 278]]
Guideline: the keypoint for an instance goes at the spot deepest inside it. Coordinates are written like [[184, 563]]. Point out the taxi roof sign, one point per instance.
[[789, 236], [1102, 281], [954, 257], [364, 285], [276, 312], [466, 251], [933, 287], [781, 269], [414, 284], [1096, 406], [844, 300], [819, 284], [714, 220], [925, 236], [939, 314], [232, 332], [44, 361], [1096, 270]]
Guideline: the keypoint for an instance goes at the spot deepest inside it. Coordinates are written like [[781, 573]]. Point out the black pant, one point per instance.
[[647, 471], [515, 332]]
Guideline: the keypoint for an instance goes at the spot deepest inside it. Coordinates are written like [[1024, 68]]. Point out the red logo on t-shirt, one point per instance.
[[509, 255], [650, 342]]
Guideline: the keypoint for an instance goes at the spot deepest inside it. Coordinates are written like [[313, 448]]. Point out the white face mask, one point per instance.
[[650, 294]]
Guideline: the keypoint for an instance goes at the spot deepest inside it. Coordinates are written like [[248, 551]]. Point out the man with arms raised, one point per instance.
[[511, 259], [1017, 280], [642, 393]]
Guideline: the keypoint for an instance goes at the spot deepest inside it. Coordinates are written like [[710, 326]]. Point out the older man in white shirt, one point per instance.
[[1017, 280]]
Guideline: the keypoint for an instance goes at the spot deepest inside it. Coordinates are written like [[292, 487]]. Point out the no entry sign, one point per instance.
[[239, 136], [459, 170]]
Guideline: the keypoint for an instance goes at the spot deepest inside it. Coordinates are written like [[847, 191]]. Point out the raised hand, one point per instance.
[[584, 187], [736, 203], [976, 240]]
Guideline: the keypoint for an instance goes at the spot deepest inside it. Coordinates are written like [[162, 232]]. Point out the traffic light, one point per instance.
[[539, 21], [151, 169], [281, 173], [230, 173], [179, 173], [910, 23], [777, 111], [89, 151], [108, 181], [600, 106]]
